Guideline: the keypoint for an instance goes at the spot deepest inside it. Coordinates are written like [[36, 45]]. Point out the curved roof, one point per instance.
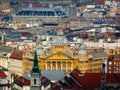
[[82, 50], [39, 49], [60, 40], [44, 11]]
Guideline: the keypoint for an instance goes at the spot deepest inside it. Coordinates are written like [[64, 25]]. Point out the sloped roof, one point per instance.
[[26, 34], [98, 54], [49, 74], [45, 81], [5, 49], [21, 81], [2, 75], [53, 74], [36, 5], [17, 54], [43, 11], [86, 81], [93, 80]]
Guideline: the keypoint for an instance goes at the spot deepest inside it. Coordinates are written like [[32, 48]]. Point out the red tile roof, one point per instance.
[[21, 81], [17, 54], [75, 19], [88, 81], [25, 34], [2, 75], [93, 80], [99, 1], [36, 5]]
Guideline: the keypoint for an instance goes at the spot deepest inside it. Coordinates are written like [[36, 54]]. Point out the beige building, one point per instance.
[[15, 63], [4, 56]]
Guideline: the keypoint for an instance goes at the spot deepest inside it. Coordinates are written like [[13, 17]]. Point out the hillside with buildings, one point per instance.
[[60, 45]]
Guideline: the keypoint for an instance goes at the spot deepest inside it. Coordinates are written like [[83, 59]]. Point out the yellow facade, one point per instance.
[[60, 59], [114, 51], [5, 6]]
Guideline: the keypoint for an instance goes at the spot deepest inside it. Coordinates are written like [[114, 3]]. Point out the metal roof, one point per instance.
[[44, 11]]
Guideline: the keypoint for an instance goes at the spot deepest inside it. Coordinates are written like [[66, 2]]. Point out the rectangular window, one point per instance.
[[34, 81]]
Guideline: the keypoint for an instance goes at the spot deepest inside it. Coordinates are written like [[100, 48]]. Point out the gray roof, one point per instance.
[[60, 40], [44, 11], [98, 55], [50, 74], [6, 49], [53, 74]]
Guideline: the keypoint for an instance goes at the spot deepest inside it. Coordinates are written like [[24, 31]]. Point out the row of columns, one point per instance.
[[67, 66]]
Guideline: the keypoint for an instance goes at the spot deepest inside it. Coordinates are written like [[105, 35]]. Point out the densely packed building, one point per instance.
[[72, 40]]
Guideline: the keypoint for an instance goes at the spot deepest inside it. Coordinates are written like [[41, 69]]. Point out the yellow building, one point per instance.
[[60, 56], [60, 60], [57, 60], [114, 51]]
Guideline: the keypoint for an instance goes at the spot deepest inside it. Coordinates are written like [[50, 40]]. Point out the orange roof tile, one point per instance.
[[17, 54], [87, 81]]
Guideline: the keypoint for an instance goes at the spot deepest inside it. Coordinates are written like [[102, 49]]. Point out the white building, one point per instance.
[[4, 56], [15, 64]]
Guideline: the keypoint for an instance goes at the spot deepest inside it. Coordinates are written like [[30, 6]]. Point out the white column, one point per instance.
[[46, 66]]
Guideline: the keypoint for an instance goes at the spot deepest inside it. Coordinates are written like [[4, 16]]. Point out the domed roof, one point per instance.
[[39, 49], [60, 39], [82, 47], [82, 50]]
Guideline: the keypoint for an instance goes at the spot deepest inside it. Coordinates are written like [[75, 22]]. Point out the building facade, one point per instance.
[[113, 64], [15, 62], [60, 59]]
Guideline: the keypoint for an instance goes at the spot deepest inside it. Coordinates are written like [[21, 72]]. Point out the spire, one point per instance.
[[35, 68]]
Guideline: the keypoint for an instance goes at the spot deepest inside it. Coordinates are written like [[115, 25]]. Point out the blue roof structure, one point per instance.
[[13, 35], [33, 21], [44, 11], [6, 29], [104, 22], [6, 18]]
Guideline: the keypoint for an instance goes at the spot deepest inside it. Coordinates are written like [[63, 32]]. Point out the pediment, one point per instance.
[[59, 56]]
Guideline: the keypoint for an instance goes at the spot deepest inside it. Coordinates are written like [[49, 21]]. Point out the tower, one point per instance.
[[35, 75]]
